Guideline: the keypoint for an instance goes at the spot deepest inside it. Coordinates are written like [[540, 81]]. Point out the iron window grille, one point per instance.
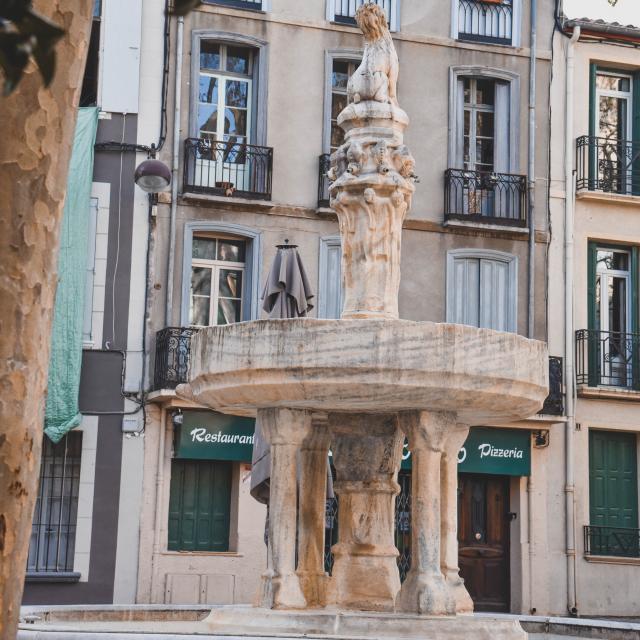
[[485, 197], [324, 165], [488, 21], [344, 11], [607, 358], [53, 530], [611, 541], [228, 168], [612, 166], [254, 5], [402, 532], [554, 403], [173, 353]]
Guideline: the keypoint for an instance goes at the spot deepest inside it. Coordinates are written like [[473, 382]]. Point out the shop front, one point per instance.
[[487, 464]]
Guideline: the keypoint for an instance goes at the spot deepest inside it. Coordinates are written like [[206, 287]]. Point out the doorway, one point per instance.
[[483, 539]]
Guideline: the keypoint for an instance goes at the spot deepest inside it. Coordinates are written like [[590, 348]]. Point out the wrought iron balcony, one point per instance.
[[492, 198], [554, 404], [323, 182], [345, 10], [488, 21], [612, 166], [227, 168], [608, 358], [611, 541], [255, 5], [173, 352]]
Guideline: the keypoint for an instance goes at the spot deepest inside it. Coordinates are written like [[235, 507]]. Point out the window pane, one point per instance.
[[208, 91], [237, 93], [235, 121], [484, 152], [231, 250], [484, 124], [200, 311], [340, 75], [238, 59], [609, 259], [230, 283], [204, 248], [207, 118], [201, 281], [337, 135], [612, 83], [613, 118], [338, 103], [228, 311], [485, 92], [209, 55], [467, 90]]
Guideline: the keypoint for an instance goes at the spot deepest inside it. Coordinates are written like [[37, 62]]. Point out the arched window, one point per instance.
[[482, 289]]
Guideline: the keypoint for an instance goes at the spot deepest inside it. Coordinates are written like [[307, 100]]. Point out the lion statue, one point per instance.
[[377, 76]]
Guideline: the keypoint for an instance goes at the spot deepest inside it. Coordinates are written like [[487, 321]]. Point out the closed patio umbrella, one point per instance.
[[287, 294]]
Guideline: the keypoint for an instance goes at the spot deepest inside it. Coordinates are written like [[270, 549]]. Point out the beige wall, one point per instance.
[[607, 587]]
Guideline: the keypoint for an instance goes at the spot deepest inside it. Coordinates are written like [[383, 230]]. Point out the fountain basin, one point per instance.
[[368, 366]]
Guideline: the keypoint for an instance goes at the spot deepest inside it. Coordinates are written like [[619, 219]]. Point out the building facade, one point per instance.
[[255, 88], [593, 307]]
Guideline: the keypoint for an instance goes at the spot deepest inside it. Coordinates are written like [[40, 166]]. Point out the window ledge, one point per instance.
[[611, 198], [53, 576], [486, 225], [612, 560], [216, 554], [608, 393]]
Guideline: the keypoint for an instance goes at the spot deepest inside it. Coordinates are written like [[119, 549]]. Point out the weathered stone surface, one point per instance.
[[368, 366]]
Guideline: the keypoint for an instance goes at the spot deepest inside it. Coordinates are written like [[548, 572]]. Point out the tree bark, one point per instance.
[[38, 126]]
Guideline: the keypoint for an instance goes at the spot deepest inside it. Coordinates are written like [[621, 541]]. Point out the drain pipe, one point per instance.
[[531, 169], [569, 356], [175, 161]]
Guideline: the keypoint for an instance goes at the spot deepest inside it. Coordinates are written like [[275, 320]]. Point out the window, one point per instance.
[[330, 292], [611, 340], [217, 273], [341, 72], [344, 11], [199, 505], [613, 494], [53, 531], [481, 183], [482, 289], [615, 146], [486, 21]]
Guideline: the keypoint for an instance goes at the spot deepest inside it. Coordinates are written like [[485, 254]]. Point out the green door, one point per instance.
[[613, 493], [199, 505]]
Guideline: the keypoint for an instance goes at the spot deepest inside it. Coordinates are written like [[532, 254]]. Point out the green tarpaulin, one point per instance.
[[61, 412]]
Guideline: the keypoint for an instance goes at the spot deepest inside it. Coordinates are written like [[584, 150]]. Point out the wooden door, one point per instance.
[[483, 538]]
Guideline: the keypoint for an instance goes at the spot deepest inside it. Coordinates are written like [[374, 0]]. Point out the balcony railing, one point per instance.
[[324, 165], [345, 10], [173, 352], [477, 196], [611, 166], [255, 5], [554, 404], [488, 21], [612, 541], [608, 358], [227, 168]]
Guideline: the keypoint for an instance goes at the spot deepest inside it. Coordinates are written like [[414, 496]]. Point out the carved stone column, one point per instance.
[[312, 495], [371, 194], [367, 450], [424, 589], [285, 430], [449, 520]]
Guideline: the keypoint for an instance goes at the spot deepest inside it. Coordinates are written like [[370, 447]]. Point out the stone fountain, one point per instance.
[[362, 384]]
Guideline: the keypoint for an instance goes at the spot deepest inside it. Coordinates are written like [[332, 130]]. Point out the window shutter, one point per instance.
[[501, 149], [458, 161], [494, 295], [636, 133], [330, 277], [593, 114]]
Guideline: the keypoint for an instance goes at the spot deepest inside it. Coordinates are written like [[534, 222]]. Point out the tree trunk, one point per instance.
[[38, 126]]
